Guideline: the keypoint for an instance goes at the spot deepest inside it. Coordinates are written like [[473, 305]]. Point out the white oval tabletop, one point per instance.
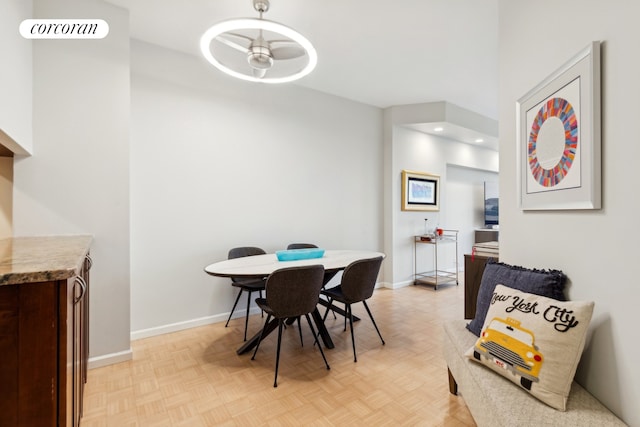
[[264, 265]]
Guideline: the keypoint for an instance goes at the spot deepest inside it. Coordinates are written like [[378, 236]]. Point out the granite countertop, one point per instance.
[[41, 259]]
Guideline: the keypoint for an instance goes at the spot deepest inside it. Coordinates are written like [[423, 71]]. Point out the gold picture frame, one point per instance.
[[420, 191]]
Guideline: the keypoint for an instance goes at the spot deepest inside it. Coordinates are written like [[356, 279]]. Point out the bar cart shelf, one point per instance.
[[435, 277]]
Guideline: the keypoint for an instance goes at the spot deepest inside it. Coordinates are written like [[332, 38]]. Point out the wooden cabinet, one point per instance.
[[44, 347], [473, 270]]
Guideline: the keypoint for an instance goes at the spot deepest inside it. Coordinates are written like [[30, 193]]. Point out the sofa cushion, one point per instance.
[[534, 341], [549, 283]]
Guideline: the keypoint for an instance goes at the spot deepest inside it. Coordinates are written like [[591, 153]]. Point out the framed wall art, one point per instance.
[[420, 191], [558, 130]]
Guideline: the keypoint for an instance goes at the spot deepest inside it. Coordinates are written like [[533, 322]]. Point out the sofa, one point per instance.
[[492, 398], [494, 401]]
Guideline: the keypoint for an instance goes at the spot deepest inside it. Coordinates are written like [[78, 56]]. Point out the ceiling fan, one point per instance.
[[258, 49]]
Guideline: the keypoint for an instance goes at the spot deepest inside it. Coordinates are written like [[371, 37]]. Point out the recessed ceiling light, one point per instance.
[[479, 140], [438, 129]]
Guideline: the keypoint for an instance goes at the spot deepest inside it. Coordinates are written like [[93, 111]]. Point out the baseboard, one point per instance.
[[188, 324], [202, 321], [398, 285], [110, 359], [123, 356], [383, 285]]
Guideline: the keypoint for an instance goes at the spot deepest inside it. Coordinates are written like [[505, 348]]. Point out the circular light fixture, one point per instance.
[[258, 54], [438, 129]]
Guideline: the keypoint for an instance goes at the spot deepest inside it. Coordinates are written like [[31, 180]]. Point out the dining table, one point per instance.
[[258, 266]]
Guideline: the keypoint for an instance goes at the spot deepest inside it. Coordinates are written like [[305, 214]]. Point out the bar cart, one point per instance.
[[435, 277]]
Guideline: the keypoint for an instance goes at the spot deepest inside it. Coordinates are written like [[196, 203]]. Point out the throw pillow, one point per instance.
[[548, 283], [534, 341]]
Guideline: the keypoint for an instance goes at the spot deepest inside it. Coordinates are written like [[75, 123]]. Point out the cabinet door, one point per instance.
[[473, 270], [88, 263], [71, 379], [74, 331], [65, 368], [10, 357], [29, 338], [79, 328], [38, 354]]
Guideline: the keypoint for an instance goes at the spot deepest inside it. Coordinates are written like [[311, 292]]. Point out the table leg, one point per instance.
[[322, 329], [253, 341], [273, 324]]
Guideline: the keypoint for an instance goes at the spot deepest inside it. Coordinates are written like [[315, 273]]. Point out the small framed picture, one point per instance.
[[420, 191]]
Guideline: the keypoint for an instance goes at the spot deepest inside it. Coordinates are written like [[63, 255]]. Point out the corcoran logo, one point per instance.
[[64, 29]]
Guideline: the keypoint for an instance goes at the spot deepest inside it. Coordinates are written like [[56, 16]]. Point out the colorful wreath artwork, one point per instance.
[[562, 109]]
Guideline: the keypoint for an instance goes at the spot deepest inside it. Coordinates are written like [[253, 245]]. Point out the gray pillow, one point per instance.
[[547, 283]]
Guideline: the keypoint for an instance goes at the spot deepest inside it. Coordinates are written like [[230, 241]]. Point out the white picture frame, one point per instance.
[[558, 137]]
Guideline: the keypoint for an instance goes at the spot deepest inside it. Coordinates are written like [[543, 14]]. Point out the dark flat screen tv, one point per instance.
[[491, 196]]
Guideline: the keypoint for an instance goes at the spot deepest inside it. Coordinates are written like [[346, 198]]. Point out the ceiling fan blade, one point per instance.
[[290, 50], [240, 36], [223, 39]]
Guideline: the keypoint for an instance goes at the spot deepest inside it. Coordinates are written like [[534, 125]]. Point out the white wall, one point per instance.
[[218, 163], [15, 75], [77, 181], [412, 150], [596, 249], [464, 203]]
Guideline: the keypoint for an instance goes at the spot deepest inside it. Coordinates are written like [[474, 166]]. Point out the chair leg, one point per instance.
[[234, 308], [300, 331], [353, 338], [246, 317], [313, 331], [275, 378], [260, 337], [345, 317], [261, 312], [374, 322]]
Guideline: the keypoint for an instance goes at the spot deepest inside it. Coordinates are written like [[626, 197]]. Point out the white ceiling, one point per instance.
[[377, 52]]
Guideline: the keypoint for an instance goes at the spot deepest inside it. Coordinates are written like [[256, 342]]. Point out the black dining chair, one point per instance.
[[327, 275], [358, 281], [247, 285], [291, 293], [301, 246]]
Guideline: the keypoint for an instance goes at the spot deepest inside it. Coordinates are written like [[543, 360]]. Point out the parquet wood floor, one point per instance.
[[195, 378]]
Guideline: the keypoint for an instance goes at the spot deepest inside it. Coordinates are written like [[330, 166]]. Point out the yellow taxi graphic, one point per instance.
[[510, 347]]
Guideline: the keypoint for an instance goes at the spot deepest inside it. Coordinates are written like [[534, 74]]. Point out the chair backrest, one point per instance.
[[242, 252], [301, 246], [245, 251], [294, 291], [359, 279]]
